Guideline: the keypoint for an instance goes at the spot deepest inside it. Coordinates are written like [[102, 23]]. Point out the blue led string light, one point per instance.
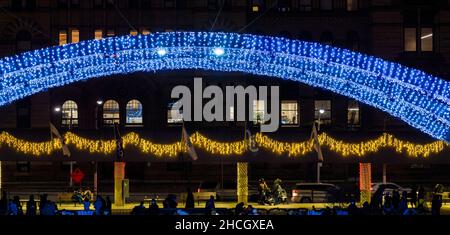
[[420, 99]]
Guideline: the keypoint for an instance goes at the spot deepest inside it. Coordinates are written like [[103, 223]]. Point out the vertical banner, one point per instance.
[[119, 175], [365, 182], [242, 182]]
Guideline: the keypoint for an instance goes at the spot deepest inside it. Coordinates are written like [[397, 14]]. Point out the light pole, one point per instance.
[[321, 111], [319, 163], [99, 102]]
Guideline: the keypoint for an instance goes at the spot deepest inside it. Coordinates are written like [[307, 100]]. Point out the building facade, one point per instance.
[[412, 33]]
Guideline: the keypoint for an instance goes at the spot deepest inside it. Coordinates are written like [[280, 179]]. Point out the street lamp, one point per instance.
[[99, 102], [321, 111], [57, 109]]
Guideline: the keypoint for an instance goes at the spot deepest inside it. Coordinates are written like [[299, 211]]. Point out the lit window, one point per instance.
[[174, 113], [410, 39], [98, 34], [322, 111], [134, 112], [352, 5], [258, 111], [326, 5], [75, 35], [145, 31], [111, 112], [255, 8], [62, 37], [289, 113], [426, 39], [353, 118], [305, 5], [133, 32], [110, 33], [69, 112], [231, 113]]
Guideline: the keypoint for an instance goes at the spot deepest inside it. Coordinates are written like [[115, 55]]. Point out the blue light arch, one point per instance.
[[419, 99]]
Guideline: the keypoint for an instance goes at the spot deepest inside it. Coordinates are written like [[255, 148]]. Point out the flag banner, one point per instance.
[[119, 144], [187, 142], [315, 139], [250, 141], [54, 131]]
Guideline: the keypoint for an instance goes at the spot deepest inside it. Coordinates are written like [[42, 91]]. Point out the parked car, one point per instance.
[[227, 192], [315, 192], [389, 188]]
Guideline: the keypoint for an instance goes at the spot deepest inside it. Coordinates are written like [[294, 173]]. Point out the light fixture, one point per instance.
[[321, 111], [421, 100], [427, 36], [57, 109], [161, 51], [99, 102], [218, 51]]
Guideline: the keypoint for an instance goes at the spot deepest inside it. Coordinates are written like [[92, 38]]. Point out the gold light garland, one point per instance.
[[294, 149]]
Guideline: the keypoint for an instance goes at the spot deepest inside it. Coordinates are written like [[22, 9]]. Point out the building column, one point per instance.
[[119, 176], [242, 182], [365, 182]]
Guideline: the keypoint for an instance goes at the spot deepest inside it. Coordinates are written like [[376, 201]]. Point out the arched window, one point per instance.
[[111, 112], [134, 112], [69, 112]]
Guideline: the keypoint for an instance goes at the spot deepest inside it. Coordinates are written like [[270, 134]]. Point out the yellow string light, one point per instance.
[[293, 149]]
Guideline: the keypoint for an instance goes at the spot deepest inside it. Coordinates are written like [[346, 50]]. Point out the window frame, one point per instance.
[[71, 124], [105, 120], [349, 125], [297, 113], [134, 124], [327, 121], [169, 109], [256, 122], [419, 32], [405, 28]]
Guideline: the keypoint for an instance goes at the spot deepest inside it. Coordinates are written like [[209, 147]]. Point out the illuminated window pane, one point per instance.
[[231, 113], [289, 113], [75, 36], [62, 37], [426, 39], [145, 31], [410, 39], [69, 112], [133, 32], [174, 113], [352, 5], [322, 110], [98, 34], [353, 118], [110, 33], [255, 8], [258, 111], [111, 112], [134, 112]]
